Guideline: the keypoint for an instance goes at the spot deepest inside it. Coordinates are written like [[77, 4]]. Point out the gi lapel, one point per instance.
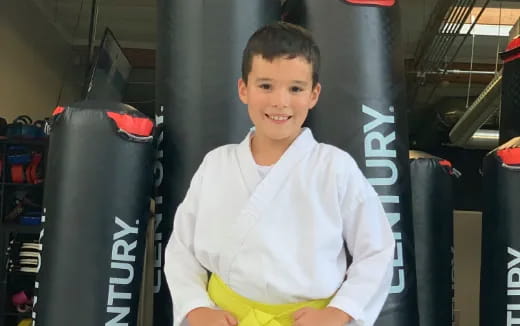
[[302, 145], [268, 188], [263, 192], [247, 165]]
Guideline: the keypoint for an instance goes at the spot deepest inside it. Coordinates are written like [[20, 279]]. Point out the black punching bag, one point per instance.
[[500, 267], [96, 207], [199, 52], [362, 110], [510, 102], [432, 207]]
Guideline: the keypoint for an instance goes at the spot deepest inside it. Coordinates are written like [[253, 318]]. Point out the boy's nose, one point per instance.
[[280, 99]]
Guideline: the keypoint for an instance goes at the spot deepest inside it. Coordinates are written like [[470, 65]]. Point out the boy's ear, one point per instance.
[[242, 90], [315, 95]]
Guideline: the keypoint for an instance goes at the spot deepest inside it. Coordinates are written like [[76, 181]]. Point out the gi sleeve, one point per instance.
[[187, 279], [370, 242]]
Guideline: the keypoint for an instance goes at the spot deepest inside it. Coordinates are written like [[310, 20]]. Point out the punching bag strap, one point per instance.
[[449, 167]]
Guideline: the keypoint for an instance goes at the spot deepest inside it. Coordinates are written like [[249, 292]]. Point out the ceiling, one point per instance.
[[134, 24], [132, 21]]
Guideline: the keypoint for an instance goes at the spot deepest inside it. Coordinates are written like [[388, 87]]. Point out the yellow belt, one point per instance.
[[251, 313]]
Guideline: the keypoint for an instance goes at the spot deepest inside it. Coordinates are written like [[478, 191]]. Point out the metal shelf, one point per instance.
[[9, 229], [22, 185], [22, 228], [25, 141], [17, 314]]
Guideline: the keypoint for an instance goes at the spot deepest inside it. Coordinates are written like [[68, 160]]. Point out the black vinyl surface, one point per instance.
[[199, 57], [432, 206], [500, 263], [362, 110], [96, 199]]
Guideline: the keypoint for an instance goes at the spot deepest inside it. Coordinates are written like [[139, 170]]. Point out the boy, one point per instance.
[[260, 237]]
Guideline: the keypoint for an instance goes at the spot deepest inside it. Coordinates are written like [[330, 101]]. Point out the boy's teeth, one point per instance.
[[274, 117]]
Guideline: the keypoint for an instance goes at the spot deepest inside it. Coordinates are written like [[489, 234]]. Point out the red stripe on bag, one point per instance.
[[132, 125], [512, 58], [383, 3], [513, 44], [58, 110], [445, 163], [510, 156], [512, 51]]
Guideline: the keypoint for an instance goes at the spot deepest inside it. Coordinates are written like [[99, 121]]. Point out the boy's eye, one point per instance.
[[265, 86], [296, 89]]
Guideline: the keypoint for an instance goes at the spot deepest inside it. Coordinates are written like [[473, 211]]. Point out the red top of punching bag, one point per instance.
[[133, 125], [446, 163], [383, 3], [509, 152], [58, 110], [512, 51], [510, 156]]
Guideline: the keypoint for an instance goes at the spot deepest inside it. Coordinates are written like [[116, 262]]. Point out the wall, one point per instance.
[[467, 246], [33, 61]]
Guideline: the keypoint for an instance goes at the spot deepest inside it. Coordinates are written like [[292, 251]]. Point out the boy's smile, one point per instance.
[[278, 118], [279, 95]]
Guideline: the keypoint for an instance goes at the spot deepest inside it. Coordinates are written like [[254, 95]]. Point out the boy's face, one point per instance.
[[279, 95]]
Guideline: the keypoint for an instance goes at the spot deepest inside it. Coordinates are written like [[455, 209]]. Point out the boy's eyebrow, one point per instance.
[[298, 82], [263, 80]]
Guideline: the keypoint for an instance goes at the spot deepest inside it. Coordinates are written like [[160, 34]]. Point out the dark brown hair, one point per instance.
[[284, 40]]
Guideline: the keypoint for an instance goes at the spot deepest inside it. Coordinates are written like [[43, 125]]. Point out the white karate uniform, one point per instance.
[[280, 239]]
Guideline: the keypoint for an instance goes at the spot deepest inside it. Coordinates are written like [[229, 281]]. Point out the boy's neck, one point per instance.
[[267, 151]]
